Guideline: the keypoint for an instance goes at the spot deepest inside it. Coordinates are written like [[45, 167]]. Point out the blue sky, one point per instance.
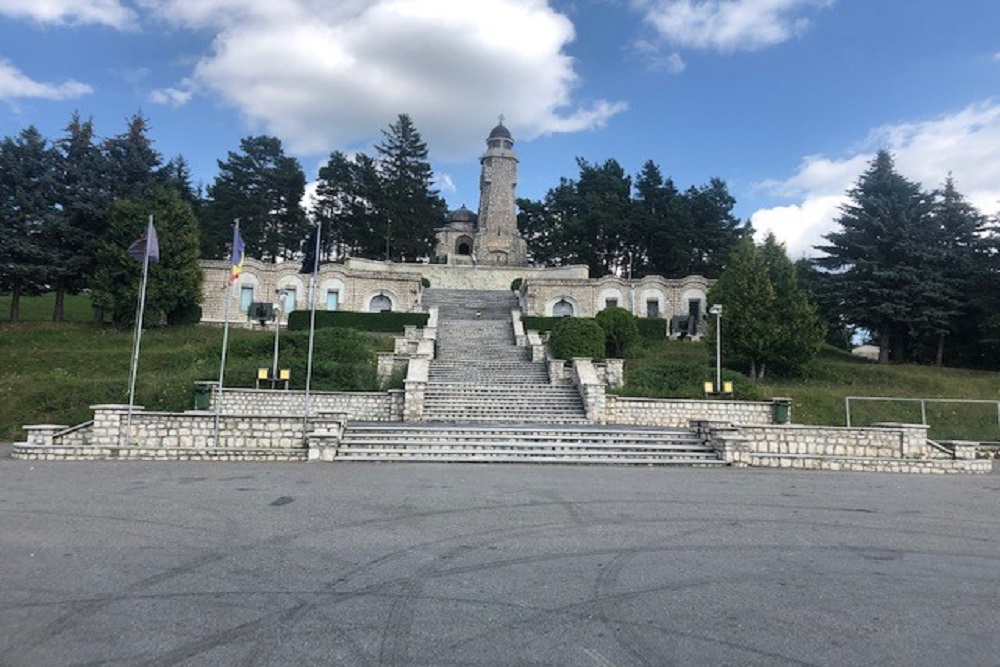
[[786, 100]]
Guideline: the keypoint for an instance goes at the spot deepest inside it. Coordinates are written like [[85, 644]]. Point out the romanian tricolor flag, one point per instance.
[[239, 253]]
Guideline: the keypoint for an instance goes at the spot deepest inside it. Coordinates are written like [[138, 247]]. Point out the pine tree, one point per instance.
[[28, 198], [263, 188], [84, 196], [133, 164], [885, 259], [409, 209]]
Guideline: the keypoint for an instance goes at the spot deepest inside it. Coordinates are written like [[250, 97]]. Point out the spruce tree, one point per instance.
[[409, 209], [28, 199], [885, 261]]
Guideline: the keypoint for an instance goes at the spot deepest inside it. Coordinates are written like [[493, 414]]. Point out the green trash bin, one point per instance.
[[782, 409], [203, 395]]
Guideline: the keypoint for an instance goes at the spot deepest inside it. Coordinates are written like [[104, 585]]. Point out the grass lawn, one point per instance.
[[52, 373], [679, 369]]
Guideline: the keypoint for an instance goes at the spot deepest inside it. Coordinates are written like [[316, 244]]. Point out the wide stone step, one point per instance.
[[505, 443]]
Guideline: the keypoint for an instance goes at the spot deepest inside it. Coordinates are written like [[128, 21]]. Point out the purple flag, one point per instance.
[[137, 250]]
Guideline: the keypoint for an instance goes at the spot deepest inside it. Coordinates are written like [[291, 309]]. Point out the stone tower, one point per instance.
[[491, 237], [497, 238]]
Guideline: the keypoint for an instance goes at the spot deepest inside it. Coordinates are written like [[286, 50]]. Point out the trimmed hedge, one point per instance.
[[577, 337], [620, 330], [652, 328], [385, 322]]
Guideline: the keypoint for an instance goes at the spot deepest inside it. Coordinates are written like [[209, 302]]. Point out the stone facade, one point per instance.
[[651, 296]]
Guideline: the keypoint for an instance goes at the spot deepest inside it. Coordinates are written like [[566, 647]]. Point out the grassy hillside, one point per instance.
[[678, 369], [51, 373]]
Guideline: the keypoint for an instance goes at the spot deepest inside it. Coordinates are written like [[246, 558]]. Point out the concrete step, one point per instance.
[[543, 443]]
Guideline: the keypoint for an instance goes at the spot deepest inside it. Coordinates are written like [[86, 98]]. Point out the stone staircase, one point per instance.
[[485, 401], [481, 375], [507, 443]]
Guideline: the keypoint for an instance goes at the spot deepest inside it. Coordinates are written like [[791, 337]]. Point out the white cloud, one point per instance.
[[727, 25], [14, 84], [444, 183], [324, 75], [652, 54], [102, 12], [965, 143], [173, 96]]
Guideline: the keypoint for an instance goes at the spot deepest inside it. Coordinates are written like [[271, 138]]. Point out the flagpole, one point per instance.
[[137, 338], [312, 329], [225, 341]]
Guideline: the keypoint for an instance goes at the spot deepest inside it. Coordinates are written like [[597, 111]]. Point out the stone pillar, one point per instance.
[[415, 388], [591, 389], [912, 438], [725, 438], [615, 373], [109, 424]]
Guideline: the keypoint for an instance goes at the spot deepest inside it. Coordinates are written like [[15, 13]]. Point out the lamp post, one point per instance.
[[282, 293], [716, 310]]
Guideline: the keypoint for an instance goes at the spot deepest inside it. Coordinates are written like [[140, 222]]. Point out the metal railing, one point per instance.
[[923, 404]]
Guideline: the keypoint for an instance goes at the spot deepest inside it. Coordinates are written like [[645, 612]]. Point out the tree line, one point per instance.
[[916, 271], [70, 208]]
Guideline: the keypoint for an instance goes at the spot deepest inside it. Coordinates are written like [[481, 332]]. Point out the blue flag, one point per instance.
[[310, 264], [146, 242]]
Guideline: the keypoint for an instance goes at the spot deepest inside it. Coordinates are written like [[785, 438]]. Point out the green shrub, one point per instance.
[[577, 337], [425, 282], [540, 324], [620, 331], [515, 284], [189, 314], [389, 322], [652, 328]]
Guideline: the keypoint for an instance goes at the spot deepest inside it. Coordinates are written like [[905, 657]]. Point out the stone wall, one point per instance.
[[679, 412], [356, 405], [881, 448]]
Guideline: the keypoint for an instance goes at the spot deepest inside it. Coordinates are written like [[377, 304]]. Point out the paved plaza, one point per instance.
[[392, 564]]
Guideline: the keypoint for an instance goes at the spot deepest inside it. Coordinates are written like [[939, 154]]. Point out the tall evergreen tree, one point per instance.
[[262, 187], [132, 162], [410, 209], [174, 286], [28, 198], [965, 263], [885, 259], [84, 195]]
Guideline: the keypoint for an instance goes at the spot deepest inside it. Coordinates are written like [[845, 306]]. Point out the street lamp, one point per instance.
[[282, 293], [716, 310]]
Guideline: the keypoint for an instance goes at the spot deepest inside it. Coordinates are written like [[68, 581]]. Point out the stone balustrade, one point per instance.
[[415, 389]]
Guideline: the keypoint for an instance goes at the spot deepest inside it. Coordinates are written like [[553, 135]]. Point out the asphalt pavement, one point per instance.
[[149, 563]]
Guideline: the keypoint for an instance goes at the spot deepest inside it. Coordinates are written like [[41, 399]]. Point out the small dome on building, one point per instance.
[[500, 132], [462, 214]]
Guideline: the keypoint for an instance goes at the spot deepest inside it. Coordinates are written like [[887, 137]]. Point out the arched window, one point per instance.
[[463, 245], [562, 308], [380, 303]]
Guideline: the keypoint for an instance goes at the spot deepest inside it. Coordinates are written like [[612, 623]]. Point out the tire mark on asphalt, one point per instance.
[[35, 638]]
